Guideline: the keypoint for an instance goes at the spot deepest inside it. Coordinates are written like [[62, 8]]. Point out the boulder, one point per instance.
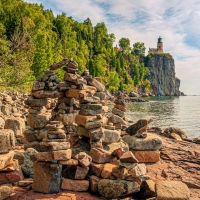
[[100, 155], [84, 159], [111, 189], [138, 170], [74, 185], [17, 125], [107, 170], [172, 190], [30, 135], [54, 146], [169, 131], [120, 172], [110, 136], [151, 142], [101, 95], [133, 94], [20, 157], [5, 191], [111, 147], [38, 121], [66, 119], [118, 112], [82, 120], [47, 177], [42, 94], [140, 125], [5, 159], [53, 155], [27, 166], [31, 101], [93, 82], [7, 140]]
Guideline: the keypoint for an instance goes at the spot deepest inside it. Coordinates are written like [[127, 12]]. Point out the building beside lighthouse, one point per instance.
[[159, 48]]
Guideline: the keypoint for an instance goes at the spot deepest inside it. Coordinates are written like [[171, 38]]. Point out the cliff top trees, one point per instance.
[[32, 38]]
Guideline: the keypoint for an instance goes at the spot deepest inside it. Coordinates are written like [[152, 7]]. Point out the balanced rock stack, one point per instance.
[[10, 171], [119, 113], [112, 164], [44, 89], [145, 146], [47, 171]]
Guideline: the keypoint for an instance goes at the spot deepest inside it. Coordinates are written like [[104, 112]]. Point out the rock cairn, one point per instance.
[[85, 146], [10, 171]]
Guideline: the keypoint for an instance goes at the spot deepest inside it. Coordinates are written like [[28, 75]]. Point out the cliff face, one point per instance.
[[162, 76]]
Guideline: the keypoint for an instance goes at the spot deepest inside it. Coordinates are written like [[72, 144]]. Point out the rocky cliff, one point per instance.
[[162, 76]]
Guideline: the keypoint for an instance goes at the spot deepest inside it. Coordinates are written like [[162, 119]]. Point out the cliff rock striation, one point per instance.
[[162, 76]]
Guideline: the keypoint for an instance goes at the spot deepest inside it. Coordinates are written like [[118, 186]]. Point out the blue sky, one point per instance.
[[176, 21]]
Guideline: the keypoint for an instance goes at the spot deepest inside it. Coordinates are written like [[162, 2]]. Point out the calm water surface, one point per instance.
[[182, 112]]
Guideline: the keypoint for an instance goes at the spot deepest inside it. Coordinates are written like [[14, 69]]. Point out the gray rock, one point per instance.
[[115, 145], [151, 142], [93, 82], [7, 140], [27, 166], [116, 188], [168, 131], [110, 136], [47, 177], [118, 112], [140, 125]]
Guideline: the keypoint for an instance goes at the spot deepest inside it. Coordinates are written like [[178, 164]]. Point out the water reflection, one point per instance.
[[183, 112]]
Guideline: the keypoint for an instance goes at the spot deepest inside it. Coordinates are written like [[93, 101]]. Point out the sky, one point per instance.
[[176, 21]]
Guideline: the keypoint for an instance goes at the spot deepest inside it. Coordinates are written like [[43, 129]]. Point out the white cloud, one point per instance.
[[176, 21]]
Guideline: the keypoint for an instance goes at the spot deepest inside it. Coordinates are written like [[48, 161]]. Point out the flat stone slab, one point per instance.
[[172, 190], [151, 142], [116, 188]]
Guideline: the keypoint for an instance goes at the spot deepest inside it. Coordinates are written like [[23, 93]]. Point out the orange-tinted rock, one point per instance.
[[96, 169], [69, 162], [120, 172], [120, 107], [47, 177], [118, 152], [128, 157], [107, 170], [146, 156], [5, 159], [83, 159], [74, 185], [11, 177], [82, 120], [100, 155]]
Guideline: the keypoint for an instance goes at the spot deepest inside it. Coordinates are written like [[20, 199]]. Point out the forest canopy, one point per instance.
[[32, 38]]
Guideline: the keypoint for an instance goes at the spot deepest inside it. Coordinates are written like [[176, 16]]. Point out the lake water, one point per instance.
[[182, 112]]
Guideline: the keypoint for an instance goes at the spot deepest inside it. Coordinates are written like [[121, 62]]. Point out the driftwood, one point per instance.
[[59, 64]]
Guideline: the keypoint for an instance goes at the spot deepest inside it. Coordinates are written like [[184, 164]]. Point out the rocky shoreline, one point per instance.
[[62, 142]]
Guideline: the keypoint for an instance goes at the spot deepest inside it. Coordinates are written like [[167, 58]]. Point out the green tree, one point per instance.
[[124, 43], [139, 49]]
